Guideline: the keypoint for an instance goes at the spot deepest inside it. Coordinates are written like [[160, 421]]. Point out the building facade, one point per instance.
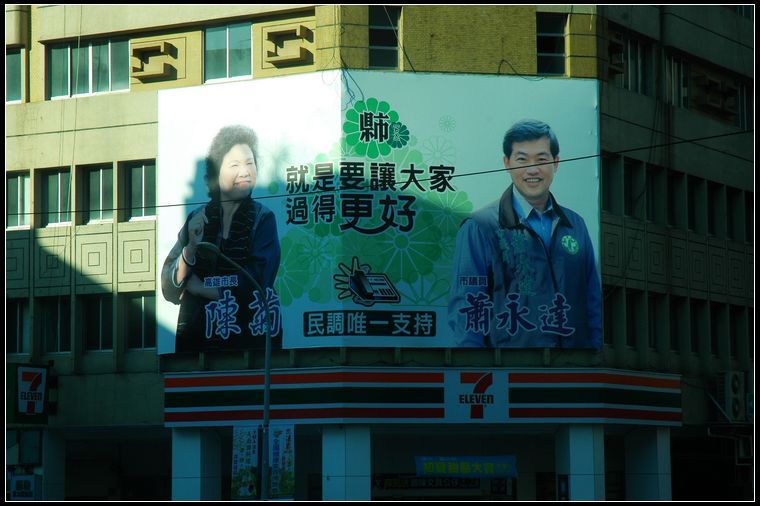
[[664, 410]]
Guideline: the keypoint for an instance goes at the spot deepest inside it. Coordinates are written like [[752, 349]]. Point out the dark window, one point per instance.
[[607, 182], [631, 193], [383, 37], [98, 316], [86, 67], [697, 329], [632, 316], [677, 309], [55, 324], [675, 198], [655, 315], [749, 217], [18, 199], [17, 325], [611, 308], [550, 43], [227, 51], [98, 191], [56, 197], [141, 188], [13, 80], [140, 320], [716, 326]]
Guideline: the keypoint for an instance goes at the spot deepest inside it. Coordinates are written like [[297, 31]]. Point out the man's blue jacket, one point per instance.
[[509, 289]]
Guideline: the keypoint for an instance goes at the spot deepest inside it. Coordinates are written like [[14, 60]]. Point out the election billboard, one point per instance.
[[389, 210]]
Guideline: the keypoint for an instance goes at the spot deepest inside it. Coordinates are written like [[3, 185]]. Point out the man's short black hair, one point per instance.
[[530, 130]]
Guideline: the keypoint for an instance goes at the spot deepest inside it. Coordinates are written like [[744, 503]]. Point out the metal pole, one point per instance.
[[267, 367]]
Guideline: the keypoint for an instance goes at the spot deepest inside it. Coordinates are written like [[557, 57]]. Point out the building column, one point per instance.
[[53, 466], [346, 457], [196, 465], [647, 464], [579, 456]]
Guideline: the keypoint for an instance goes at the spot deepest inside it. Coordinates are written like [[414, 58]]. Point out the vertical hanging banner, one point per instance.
[[282, 459], [391, 210], [245, 458]]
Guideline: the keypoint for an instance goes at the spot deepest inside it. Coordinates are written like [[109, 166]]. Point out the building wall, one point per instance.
[[640, 256]]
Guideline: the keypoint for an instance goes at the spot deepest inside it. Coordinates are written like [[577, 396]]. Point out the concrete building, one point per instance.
[[676, 93]]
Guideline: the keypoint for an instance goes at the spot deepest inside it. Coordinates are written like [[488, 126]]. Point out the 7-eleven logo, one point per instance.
[[31, 390], [478, 399]]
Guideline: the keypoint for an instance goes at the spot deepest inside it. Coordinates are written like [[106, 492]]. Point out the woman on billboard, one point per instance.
[[219, 306]]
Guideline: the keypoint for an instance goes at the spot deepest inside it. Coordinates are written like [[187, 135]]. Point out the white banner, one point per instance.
[[282, 459], [245, 467]]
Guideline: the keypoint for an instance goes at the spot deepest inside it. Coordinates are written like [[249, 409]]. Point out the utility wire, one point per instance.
[[673, 14], [476, 173], [623, 120]]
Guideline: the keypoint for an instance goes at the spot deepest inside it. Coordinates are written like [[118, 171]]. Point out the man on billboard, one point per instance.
[[219, 306], [524, 268]]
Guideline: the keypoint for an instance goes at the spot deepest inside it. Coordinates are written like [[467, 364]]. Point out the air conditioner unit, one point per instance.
[[732, 395]]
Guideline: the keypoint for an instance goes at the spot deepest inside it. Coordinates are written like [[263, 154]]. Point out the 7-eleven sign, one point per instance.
[[476, 396], [31, 390]]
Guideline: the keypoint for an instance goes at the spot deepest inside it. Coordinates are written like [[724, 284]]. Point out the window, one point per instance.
[[141, 188], [632, 192], [736, 324], [716, 213], [550, 43], [13, 72], [97, 318], [56, 197], [751, 333], [140, 320], [612, 309], [383, 37], [98, 191], [749, 217], [227, 51], [676, 82], [89, 67], [675, 198], [17, 326], [607, 182], [655, 316], [18, 200], [636, 65], [745, 116], [55, 324], [734, 204], [656, 196], [677, 312], [633, 316], [717, 316], [696, 331], [695, 200]]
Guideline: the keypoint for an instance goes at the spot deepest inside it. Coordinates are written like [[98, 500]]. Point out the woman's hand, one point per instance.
[[195, 229]]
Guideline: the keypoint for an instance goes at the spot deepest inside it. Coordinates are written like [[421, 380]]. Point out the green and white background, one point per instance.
[[450, 120]]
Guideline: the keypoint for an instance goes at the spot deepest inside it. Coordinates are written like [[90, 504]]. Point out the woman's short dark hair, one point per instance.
[[227, 138], [530, 130]]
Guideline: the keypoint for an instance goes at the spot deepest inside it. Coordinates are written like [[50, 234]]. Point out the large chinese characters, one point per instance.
[[356, 196]]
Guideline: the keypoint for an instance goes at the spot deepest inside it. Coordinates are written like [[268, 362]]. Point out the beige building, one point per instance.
[[676, 92]]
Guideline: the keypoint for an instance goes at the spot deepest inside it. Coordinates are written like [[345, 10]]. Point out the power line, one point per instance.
[[398, 40], [708, 30], [623, 120], [476, 173]]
